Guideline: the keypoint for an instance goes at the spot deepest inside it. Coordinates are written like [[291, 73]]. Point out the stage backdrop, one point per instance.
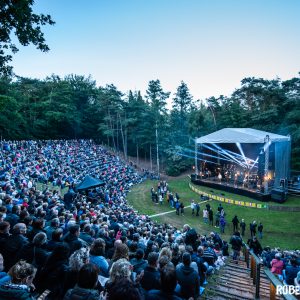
[[249, 135]]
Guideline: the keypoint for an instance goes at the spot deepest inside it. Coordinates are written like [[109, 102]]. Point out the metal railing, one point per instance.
[[255, 264]]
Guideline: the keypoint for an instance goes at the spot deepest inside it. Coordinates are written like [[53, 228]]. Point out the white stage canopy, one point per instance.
[[240, 135]]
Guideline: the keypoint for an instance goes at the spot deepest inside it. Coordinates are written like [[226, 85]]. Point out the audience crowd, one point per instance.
[[93, 245]]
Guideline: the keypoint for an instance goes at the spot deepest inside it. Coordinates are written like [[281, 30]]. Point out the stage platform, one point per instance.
[[230, 189]]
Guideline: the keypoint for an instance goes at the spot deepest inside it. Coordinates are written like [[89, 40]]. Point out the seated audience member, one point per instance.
[[291, 271], [86, 283], [277, 264], [35, 252], [168, 285], [56, 239], [188, 280], [4, 277], [124, 288], [71, 238], [151, 277], [121, 269], [22, 275], [78, 259], [297, 280], [138, 263], [13, 245], [54, 271], [97, 253]]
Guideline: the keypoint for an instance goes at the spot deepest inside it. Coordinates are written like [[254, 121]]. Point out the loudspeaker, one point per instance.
[[278, 195]]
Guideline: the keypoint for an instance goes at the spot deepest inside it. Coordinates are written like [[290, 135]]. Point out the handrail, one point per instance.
[[255, 268], [246, 250], [274, 282], [255, 272]]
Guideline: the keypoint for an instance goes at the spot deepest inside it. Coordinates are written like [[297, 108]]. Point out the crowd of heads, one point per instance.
[[92, 243]]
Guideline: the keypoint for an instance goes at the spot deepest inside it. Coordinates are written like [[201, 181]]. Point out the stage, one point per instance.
[[230, 188]]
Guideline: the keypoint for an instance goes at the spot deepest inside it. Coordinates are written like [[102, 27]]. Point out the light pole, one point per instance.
[[267, 139]]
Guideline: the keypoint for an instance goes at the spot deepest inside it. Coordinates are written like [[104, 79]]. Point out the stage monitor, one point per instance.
[[278, 195]]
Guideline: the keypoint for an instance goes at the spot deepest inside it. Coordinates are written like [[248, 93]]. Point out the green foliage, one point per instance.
[[17, 17], [74, 107], [176, 163]]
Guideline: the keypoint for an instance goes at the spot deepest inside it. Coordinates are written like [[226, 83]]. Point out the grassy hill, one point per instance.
[[281, 229]]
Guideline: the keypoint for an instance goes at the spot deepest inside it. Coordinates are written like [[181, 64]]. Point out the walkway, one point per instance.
[[171, 211]]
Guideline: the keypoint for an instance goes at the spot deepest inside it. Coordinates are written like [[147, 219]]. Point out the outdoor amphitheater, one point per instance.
[[149, 150]]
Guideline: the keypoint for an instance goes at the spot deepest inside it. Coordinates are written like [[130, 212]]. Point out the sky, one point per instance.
[[211, 45]]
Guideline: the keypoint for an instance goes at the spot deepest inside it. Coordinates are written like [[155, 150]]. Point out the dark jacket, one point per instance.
[[255, 246], [33, 232], [12, 246], [160, 295], [188, 280], [291, 273], [73, 242], [11, 291], [86, 237], [81, 294], [52, 278], [236, 243], [138, 265], [151, 279], [35, 255], [12, 219]]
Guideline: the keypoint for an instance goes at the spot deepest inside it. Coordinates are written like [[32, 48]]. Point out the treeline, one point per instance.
[[74, 107]]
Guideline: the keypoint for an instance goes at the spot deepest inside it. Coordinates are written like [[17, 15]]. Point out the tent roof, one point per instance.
[[240, 135], [89, 182]]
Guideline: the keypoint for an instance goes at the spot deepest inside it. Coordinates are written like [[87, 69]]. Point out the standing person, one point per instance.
[[205, 215], [220, 208], [255, 246], [181, 208], [236, 244], [160, 198], [260, 229], [177, 206], [193, 207], [235, 223], [168, 196], [156, 198], [218, 214], [197, 209], [243, 227], [211, 217], [222, 224], [171, 198], [253, 226]]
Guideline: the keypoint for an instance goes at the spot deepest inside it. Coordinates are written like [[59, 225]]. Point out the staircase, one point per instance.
[[233, 282]]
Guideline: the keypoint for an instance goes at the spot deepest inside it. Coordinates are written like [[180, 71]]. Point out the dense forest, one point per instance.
[[141, 125]]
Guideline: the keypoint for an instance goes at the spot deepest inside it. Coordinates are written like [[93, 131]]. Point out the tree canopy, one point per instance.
[[17, 18], [75, 107]]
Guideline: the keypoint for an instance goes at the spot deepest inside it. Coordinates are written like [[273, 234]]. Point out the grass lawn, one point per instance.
[[281, 229]]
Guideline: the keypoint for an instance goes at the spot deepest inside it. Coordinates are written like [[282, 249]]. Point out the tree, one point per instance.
[[157, 100], [17, 17]]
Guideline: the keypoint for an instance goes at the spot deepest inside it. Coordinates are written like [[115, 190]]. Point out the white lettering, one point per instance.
[[287, 290]]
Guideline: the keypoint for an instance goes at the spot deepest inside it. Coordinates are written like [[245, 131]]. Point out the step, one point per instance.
[[227, 293]]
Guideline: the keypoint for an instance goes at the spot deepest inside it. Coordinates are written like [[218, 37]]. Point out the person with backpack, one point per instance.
[[260, 229], [236, 244], [235, 223]]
